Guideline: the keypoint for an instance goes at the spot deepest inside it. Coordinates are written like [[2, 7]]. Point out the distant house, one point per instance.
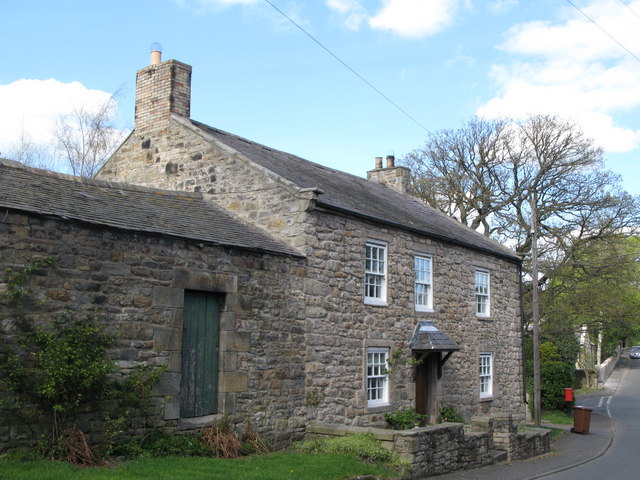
[[336, 298]]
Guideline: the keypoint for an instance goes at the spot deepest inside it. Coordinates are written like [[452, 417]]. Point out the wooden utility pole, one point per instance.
[[535, 312]]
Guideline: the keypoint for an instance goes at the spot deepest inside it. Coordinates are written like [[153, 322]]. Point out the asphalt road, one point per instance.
[[622, 459]]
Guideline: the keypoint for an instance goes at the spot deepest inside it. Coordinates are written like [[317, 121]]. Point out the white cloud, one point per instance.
[[406, 18], [344, 6], [571, 68], [351, 11], [501, 6], [33, 106], [414, 18]]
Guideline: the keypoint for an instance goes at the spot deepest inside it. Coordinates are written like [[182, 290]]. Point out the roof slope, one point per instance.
[[127, 207], [359, 196]]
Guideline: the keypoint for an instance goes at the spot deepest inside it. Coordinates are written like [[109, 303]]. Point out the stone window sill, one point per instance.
[[379, 408], [375, 303]]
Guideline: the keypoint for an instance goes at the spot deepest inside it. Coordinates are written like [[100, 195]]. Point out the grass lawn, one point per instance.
[[557, 417], [275, 466]]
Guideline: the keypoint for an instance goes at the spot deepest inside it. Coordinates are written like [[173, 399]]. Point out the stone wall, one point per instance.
[[606, 367], [341, 326], [181, 157], [448, 447], [135, 284]]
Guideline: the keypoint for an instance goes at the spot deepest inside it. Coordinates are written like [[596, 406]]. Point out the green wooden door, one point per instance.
[[200, 340]]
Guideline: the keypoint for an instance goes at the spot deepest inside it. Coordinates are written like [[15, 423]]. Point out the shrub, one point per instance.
[[554, 378], [51, 371], [449, 413], [362, 445], [405, 419], [185, 445]]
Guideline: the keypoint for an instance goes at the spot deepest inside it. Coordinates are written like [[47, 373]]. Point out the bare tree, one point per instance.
[[462, 172], [487, 174], [28, 152], [87, 138]]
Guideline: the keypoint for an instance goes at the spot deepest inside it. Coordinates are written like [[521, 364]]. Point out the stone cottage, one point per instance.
[[394, 305], [179, 283]]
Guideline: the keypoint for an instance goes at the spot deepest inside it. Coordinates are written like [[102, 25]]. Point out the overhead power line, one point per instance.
[[630, 9], [404, 112], [603, 30]]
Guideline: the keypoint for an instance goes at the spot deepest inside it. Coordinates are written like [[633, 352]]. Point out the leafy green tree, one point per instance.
[[598, 285]]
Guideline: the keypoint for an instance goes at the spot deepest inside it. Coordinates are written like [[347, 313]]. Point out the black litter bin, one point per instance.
[[581, 420]]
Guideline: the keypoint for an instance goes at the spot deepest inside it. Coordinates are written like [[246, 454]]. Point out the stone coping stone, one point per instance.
[[385, 434]]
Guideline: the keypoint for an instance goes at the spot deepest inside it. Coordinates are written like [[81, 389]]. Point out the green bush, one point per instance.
[[51, 371], [554, 378], [449, 413], [160, 444], [405, 419], [165, 445]]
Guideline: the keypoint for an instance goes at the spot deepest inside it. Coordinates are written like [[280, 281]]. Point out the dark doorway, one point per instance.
[[200, 341], [427, 385]]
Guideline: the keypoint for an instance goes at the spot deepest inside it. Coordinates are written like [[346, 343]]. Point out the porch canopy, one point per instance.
[[428, 339]]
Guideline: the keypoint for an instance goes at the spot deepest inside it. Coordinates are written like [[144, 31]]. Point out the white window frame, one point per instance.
[[375, 273], [423, 280], [485, 373], [377, 376], [482, 289]]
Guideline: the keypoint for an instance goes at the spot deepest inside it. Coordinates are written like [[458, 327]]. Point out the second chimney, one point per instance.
[[397, 178]]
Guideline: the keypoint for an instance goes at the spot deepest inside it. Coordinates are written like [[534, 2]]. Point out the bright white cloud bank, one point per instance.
[[406, 18], [33, 106], [572, 68]]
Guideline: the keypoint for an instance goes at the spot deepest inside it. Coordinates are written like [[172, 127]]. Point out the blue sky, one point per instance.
[[257, 75]]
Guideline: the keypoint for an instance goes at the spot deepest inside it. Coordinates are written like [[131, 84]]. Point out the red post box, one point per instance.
[[568, 394]]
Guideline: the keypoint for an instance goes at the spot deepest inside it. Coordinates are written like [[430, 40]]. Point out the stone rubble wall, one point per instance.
[[340, 326], [447, 447], [180, 157], [135, 283]]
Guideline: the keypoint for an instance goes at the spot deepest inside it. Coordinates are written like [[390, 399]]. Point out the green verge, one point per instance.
[[276, 466], [557, 417]]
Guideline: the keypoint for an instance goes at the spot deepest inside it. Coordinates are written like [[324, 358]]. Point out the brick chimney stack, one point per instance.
[[397, 178], [162, 89]]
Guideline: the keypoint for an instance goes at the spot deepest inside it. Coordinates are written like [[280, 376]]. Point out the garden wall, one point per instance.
[[447, 447]]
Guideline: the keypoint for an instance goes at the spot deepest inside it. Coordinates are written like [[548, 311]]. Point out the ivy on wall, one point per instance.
[[61, 369]]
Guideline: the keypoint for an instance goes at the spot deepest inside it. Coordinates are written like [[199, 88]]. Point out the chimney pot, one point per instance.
[[391, 161], [378, 162], [156, 53]]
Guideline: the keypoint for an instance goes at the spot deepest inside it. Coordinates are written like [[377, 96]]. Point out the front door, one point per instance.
[[200, 339], [427, 385]]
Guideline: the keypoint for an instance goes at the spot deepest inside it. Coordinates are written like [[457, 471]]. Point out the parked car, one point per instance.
[[634, 352]]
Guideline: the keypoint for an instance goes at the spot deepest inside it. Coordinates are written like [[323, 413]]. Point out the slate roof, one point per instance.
[[184, 215], [359, 196], [428, 337]]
